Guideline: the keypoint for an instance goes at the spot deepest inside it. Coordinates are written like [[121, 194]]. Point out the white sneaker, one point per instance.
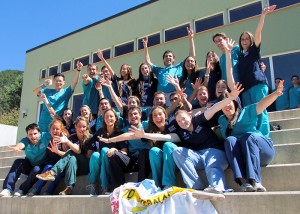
[[259, 187], [19, 193], [246, 187], [5, 192]]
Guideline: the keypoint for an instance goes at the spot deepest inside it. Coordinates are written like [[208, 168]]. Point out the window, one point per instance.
[[152, 40], [106, 55], [84, 60], [40, 107], [286, 65], [280, 3], [53, 70], [43, 73], [209, 22], [124, 48], [77, 103], [245, 11], [65, 67], [176, 33]]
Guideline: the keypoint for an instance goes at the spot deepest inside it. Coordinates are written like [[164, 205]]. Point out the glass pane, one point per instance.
[[152, 40], [176, 33], [285, 66], [77, 103], [106, 54], [245, 11], [53, 70], [283, 3], [124, 49], [209, 23], [65, 67], [43, 73], [84, 60]]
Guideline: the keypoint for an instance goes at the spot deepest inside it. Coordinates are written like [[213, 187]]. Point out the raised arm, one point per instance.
[[196, 87], [146, 51], [228, 44], [268, 100], [42, 86], [122, 137], [192, 50], [154, 136], [113, 95], [49, 107], [261, 22], [76, 76], [100, 55], [237, 89]]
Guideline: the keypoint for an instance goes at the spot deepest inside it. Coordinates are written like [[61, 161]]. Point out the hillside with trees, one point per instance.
[[10, 96]]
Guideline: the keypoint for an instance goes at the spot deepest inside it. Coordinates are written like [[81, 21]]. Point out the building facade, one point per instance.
[[164, 22]]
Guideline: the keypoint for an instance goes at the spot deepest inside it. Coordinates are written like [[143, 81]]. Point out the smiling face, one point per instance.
[[106, 73], [229, 110], [132, 102], [124, 71], [202, 96], [85, 112], [56, 129], [190, 64], [59, 82], [220, 88], [134, 117], [159, 100], [159, 118], [104, 105], [218, 40], [33, 135], [67, 116], [110, 118], [92, 71], [81, 126], [245, 41], [145, 70], [184, 120], [211, 57], [168, 59]]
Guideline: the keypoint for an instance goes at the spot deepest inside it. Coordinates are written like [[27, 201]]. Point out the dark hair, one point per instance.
[[252, 40], [103, 67], [222, 34], [135, 108], [32, 126], [103, 98], [172, 94], [141, 78], [159, 92], [185, 74], [215, 55], [59, 75], [136, 99], [279, 78], [168, 51], [295, 76]]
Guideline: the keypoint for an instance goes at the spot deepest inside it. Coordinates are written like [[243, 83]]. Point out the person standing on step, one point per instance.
[[35, 148], [294, 93]]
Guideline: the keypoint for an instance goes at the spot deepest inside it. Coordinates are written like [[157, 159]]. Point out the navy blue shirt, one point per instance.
[[249, 70], [202, 137]]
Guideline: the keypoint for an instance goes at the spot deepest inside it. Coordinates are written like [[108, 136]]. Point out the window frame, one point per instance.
[[78, 58], [149, 35], [49, 68], [103, 50], [240, 6], [61, 64], [207, 17], [124, 43], [176, 26]]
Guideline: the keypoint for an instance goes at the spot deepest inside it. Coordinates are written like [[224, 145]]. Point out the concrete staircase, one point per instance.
[[281, 178]]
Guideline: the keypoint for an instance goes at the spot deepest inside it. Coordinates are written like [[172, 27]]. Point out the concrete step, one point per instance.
[[234, 203], [9, 160], [4, 148], [291, 123], [266, 203], [286, 136], [287, 153], [9, 153], [279, 115]]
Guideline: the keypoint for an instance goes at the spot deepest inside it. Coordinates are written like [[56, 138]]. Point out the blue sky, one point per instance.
[[26, 24]]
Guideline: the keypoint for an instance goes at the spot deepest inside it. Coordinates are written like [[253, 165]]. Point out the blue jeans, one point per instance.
[[254, 95], [52, 185], [213, 161], [163, 165], [21, 166], [247, 154], [99, 166]]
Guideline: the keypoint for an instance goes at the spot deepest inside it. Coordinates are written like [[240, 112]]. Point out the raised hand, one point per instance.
[[280, 88], [48, 82], [15, 148], [53, 147], [100, 54], [104, 140], [145, 42], [98, 86], [267, 9], [228, 44], [79, 65], [60, 139], [190, 32], [236, 90], [137, 133], [172, 80], [85, 77], [197, 84]]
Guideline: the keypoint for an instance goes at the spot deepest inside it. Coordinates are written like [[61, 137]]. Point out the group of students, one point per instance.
[[166, 119]]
